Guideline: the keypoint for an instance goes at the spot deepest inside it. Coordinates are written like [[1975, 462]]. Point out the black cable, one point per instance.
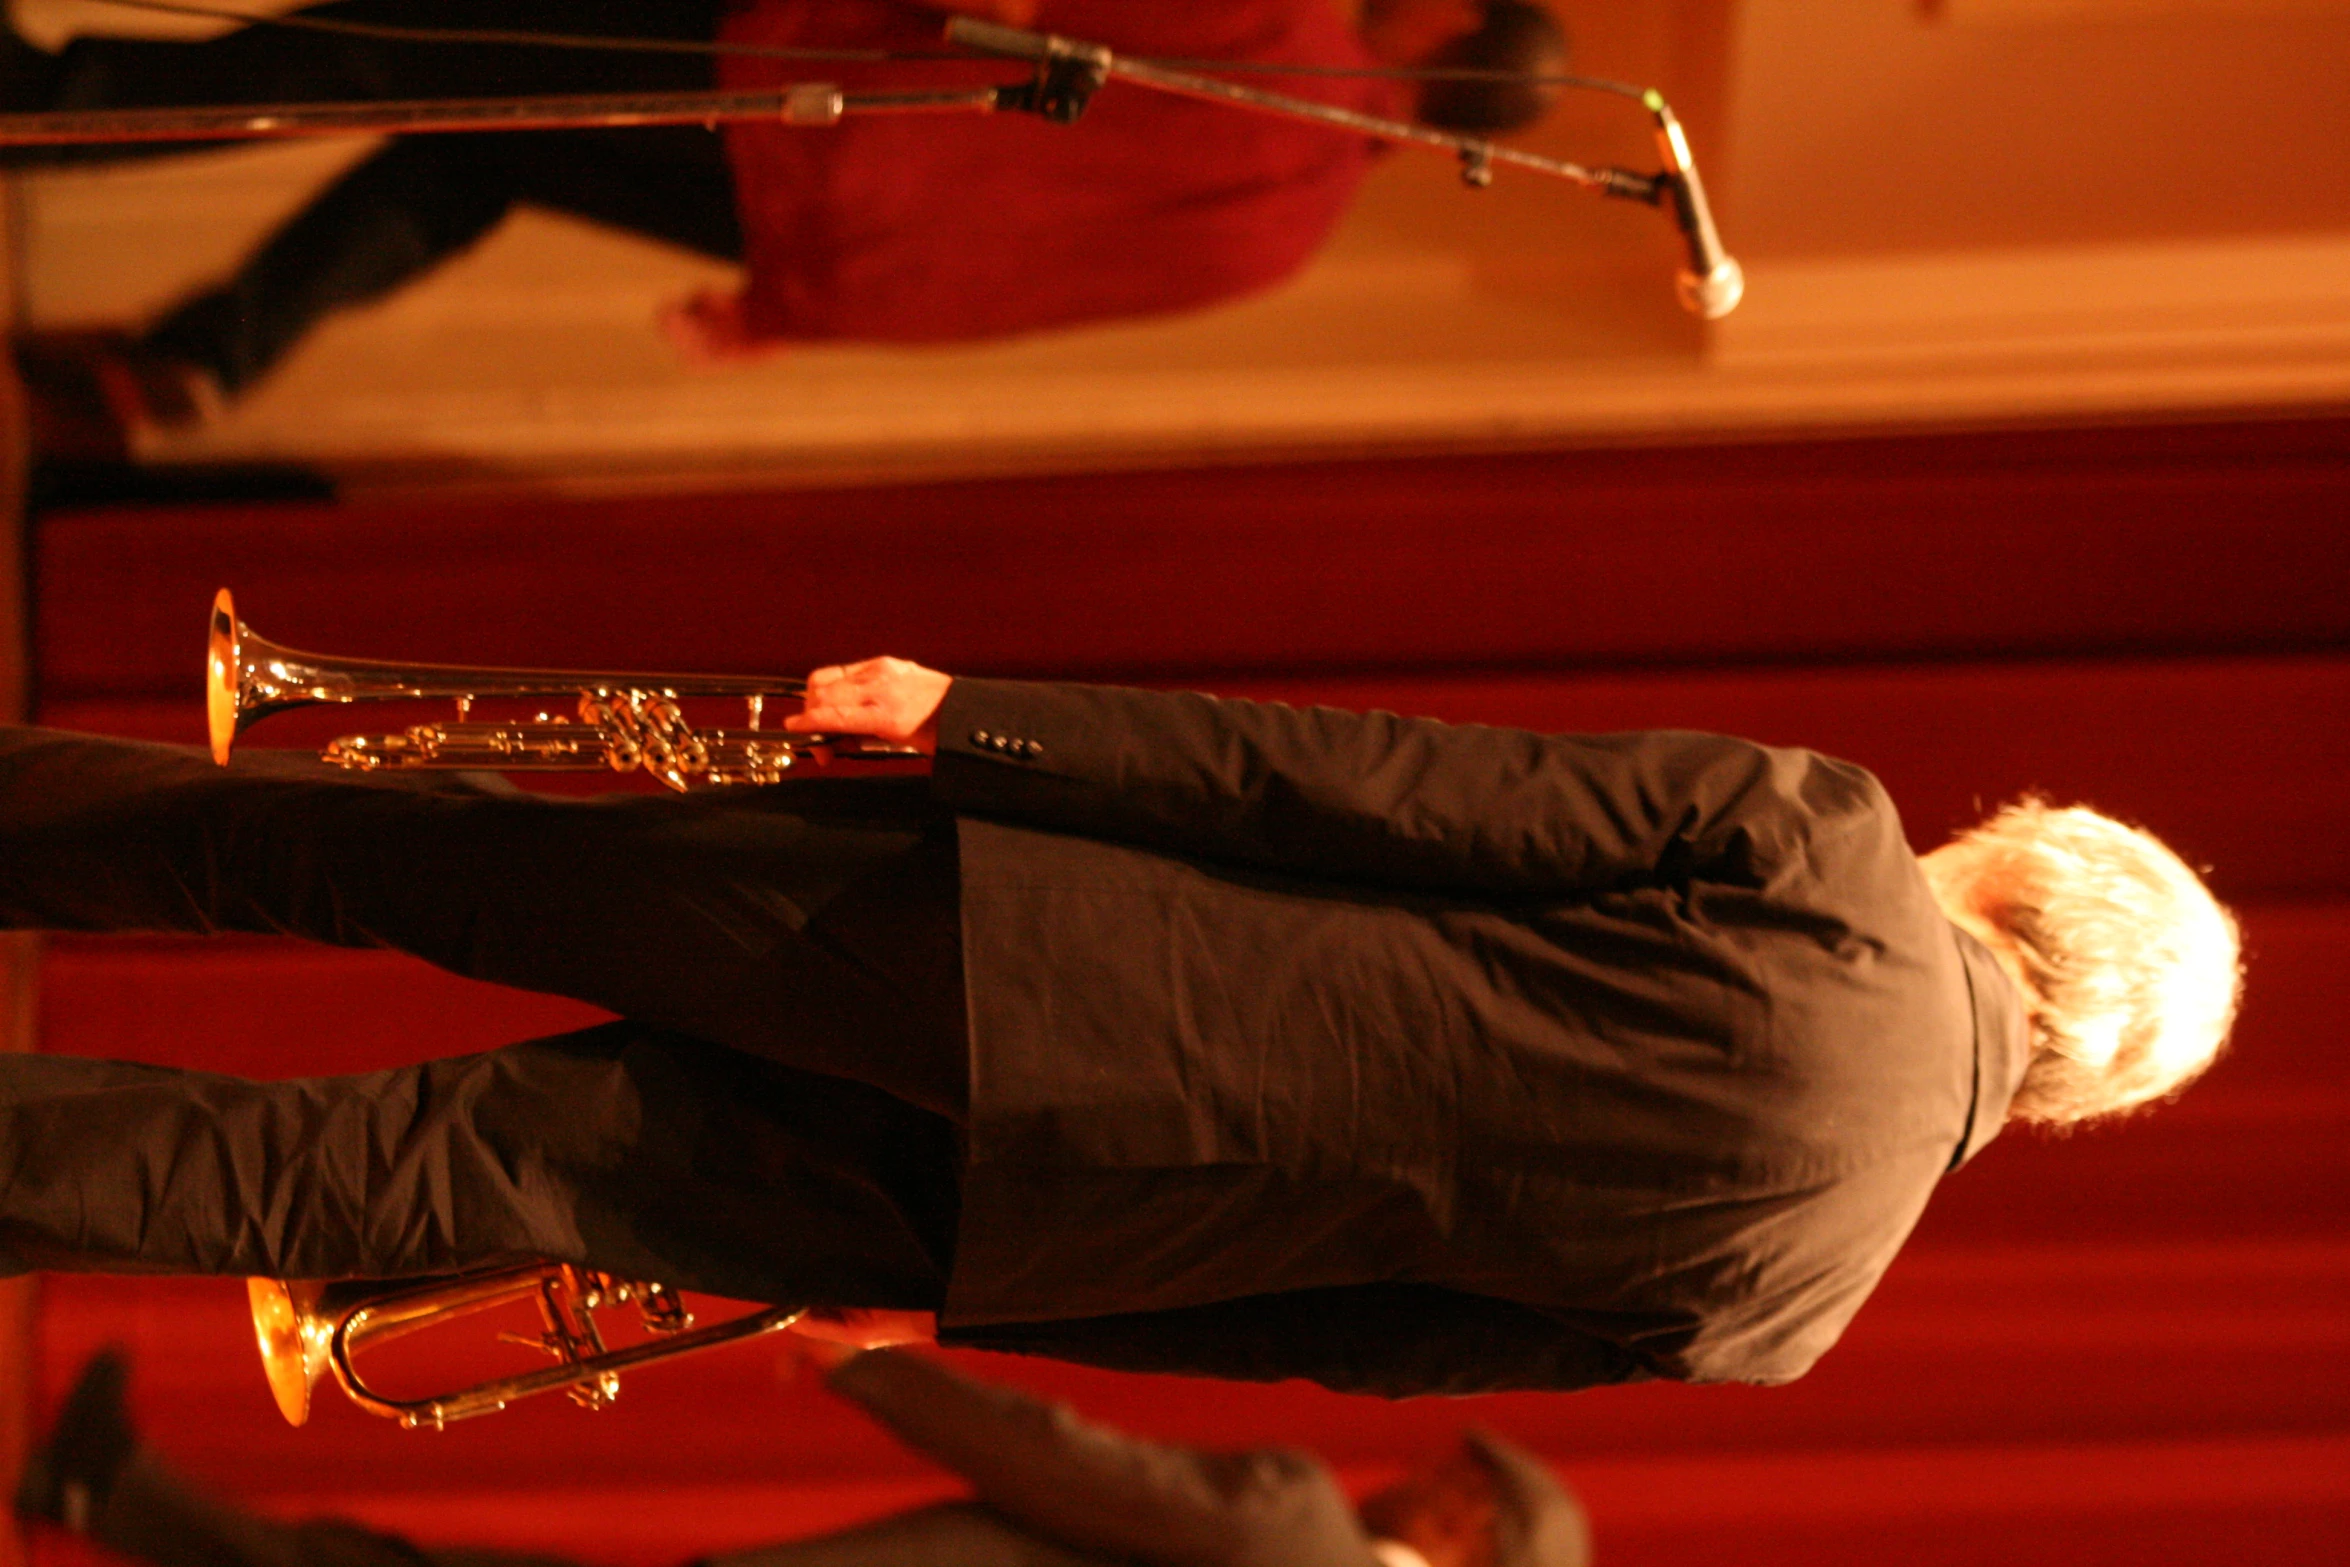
[[1405, 73], [392, 32]]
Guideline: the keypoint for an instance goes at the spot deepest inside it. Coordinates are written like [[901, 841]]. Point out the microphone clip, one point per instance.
[[1064, 84]]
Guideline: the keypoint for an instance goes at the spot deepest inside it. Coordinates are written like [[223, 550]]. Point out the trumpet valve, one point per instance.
[[607, 713], [420, 745], [663, 1312]]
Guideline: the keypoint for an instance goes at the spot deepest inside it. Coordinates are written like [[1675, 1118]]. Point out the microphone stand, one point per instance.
[[806, 103], [1710, 286], [1095, 62], [1058, 90], [1067, 74]]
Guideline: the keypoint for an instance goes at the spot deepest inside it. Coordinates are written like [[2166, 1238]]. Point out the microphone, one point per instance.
[[1713, 282]]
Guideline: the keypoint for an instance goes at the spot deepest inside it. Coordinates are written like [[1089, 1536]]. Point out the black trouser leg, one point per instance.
[[417, 202], [155, 1516], [962, 1534], [816, 924], [396, 215], [624, 1148], [422, 200]]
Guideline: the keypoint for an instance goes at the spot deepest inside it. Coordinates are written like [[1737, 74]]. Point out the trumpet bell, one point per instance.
[[223, 667], [295, 1339]]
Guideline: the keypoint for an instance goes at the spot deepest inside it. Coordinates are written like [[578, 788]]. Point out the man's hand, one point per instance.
[[887, 698]]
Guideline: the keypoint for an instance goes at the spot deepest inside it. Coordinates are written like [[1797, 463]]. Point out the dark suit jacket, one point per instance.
[[1411, 1057], [1077, 1493]]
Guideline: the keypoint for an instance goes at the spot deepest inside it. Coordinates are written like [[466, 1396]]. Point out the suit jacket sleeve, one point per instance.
[[1094, 1489], [1406, 803], [1395, 1340]]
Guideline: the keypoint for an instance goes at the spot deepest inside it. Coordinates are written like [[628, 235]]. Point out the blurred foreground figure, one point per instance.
[[886, 228], [1151, 1030], [1050, 1490]]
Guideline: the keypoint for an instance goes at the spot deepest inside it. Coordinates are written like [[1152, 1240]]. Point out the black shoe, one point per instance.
[[90, 391], [67, 1481]]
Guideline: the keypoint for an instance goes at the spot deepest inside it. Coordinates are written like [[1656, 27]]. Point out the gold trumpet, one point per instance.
[[308, 1329], [624, 720]]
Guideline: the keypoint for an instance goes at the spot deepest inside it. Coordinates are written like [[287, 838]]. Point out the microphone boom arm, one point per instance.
[[1711, 287], [1067, 73], [806, 103]]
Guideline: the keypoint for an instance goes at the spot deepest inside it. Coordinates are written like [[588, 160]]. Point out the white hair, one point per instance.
[[2132, 968]]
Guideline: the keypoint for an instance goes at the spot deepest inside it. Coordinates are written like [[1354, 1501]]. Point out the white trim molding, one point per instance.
[[2081, 329], [2035, 13], [1832, 343]]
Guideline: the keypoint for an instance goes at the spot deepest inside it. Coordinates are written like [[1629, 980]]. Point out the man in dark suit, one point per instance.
[[1049, 1490], [1155, 1032]]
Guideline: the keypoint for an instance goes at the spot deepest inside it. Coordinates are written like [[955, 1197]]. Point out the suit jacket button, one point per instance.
[[1034, 748], [979, 737]]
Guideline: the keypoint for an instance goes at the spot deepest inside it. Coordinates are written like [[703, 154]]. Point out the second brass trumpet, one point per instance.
[[309, 1330]]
